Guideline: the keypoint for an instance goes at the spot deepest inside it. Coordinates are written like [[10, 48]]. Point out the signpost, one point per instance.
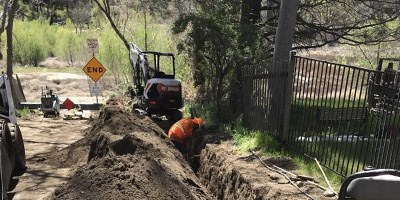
[[94, 69], [93, 45], [95, 89]]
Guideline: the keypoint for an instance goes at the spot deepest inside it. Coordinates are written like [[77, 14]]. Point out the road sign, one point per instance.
[[95, 89], [93, 45], [68, 104], [94, 69]]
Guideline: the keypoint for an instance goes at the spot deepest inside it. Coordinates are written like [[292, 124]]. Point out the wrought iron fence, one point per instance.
[[263, 96], [345, 116]]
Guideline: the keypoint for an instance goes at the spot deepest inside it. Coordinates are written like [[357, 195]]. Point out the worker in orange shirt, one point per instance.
[[182, 130]]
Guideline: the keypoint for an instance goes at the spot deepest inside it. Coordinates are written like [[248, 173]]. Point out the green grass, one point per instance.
[[23, 113], [245, 140], [204, 111]]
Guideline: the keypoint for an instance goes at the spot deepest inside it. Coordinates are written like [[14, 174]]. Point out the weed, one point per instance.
[[24, 113], [204, 111]]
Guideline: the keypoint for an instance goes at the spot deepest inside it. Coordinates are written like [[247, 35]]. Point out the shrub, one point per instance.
[[30, 44], [114, 56], [69, 45]]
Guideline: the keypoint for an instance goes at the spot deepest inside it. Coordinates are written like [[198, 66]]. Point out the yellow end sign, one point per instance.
[[94, 69]]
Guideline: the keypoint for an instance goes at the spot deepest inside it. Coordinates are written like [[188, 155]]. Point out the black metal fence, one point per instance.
[[264, 99], [347, 117]]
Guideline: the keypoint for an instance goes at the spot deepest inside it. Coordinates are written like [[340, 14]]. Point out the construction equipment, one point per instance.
[[12, 150], [156, 92], [50, 103]]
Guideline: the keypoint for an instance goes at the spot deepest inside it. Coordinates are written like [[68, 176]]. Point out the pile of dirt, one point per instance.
[[246, 177], [72, 156], [128, 158]]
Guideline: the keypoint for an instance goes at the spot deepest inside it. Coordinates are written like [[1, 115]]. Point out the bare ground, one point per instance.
[[41, 137]]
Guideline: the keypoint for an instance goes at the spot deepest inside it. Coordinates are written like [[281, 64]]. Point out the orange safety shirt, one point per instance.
[[181, 130]]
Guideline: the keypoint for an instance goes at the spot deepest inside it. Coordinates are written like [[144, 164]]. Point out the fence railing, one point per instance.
[[263, 96], [347, 117]]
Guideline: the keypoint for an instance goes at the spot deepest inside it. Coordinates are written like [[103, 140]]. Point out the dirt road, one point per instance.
[[43, 136]]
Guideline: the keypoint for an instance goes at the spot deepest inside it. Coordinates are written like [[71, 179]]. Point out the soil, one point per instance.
[[131, 158], [246, 177], [43, 136]]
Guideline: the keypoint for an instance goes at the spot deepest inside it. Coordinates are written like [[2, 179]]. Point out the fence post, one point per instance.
[[288, 98]]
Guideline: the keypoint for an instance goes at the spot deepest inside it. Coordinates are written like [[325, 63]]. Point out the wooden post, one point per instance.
[[288, 98]]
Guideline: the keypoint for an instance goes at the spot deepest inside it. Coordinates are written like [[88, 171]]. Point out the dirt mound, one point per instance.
[[73, 156], [130, 158]]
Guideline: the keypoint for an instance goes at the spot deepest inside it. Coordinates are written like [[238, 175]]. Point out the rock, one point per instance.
[[283, 181], [274, 176], [329, 193], [305, 178], [86, 114], [300, 184]]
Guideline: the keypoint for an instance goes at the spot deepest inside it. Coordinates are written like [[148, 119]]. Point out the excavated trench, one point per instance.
[[132, 158], [228, 175]]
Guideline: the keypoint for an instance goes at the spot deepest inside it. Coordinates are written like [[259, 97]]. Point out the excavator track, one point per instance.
[[19, 148], [7, 157]]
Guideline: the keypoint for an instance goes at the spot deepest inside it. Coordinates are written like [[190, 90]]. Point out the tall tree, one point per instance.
[[283, 45], [353, 22], [17, 93], [105, 7], [212, 42]]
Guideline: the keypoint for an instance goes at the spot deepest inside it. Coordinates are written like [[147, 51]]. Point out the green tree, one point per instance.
[[211, 41], [69, 45]]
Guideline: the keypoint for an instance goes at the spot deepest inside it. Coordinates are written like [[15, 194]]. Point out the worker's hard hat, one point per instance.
[[198, 121]]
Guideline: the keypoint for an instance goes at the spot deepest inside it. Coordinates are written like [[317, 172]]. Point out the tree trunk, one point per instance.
[[285, 33], [3, 23], [145, 30], [107, 13], [251, 11], [283, 45], [9, 30], [250, 15]]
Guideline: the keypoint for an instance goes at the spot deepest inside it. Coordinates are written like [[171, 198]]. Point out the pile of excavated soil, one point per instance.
[[127, 158], [246, 177]]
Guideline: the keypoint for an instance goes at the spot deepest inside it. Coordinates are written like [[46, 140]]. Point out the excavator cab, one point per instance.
[[156, 60]]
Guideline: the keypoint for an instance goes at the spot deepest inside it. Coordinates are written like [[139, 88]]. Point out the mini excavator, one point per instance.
[[156, 92]]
